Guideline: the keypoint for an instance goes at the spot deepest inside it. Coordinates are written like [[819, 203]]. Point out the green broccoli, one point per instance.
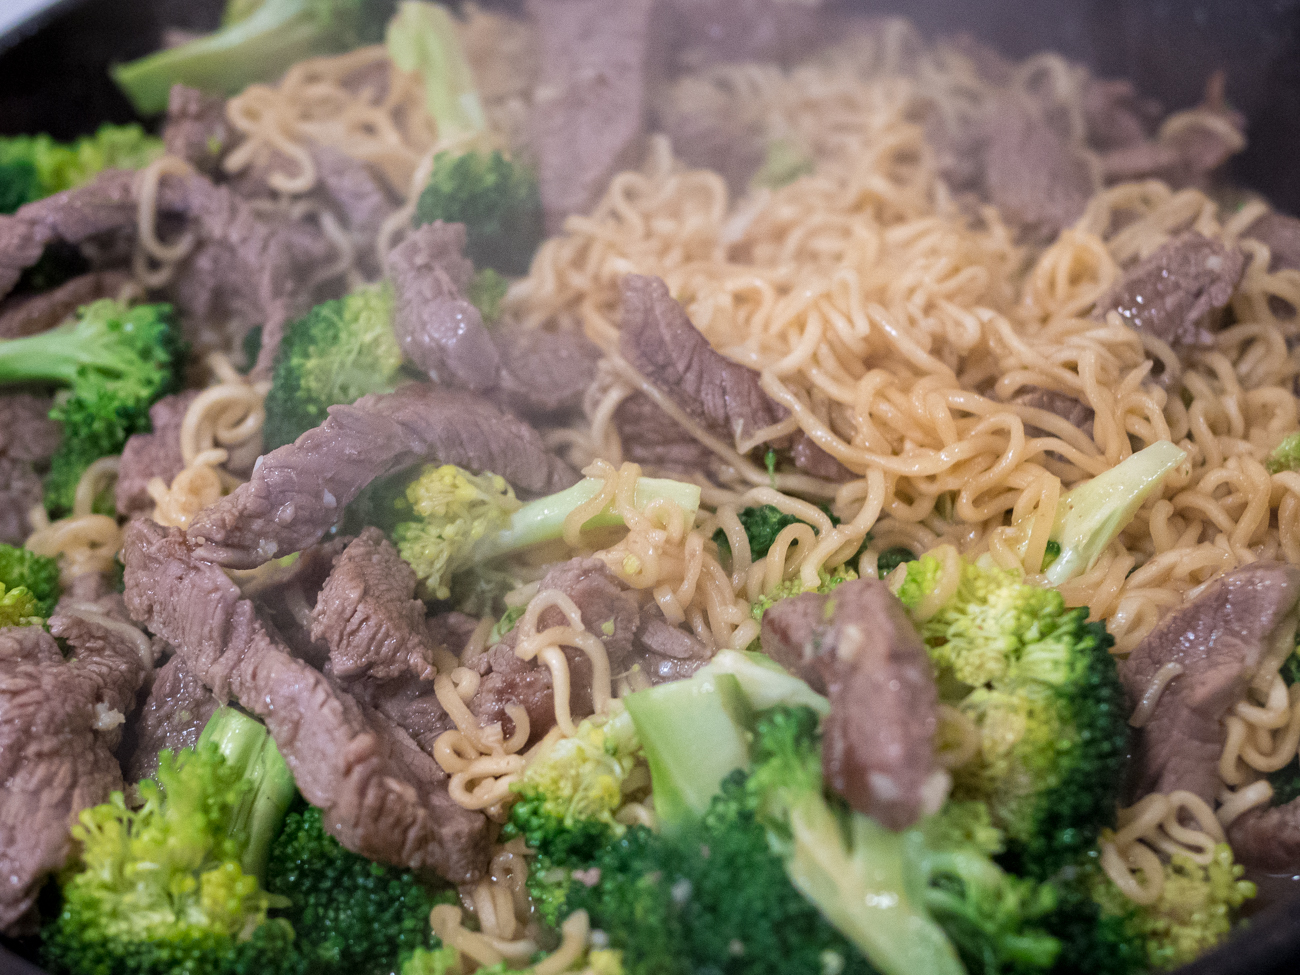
[[497, 200], [336, 353], [486, 292], [36, 166], [175, 884], [1103, 932], [37, 575], [460, 520], [257, 43], [762, 523], [1040, 684], [18, 607], [423, 39], [891, 558], [1092, 514], [117, 361], [351, 916], [1286, 456]]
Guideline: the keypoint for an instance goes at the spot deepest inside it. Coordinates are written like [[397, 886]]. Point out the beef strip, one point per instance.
[[590, 107], [383, 797], [1038, 181], [57, 735], [438, 330], [298, 491], [368, 615], [32, 314], [1116, 116], [28, 438], [150, 455], [1282, 235], [1172, 292], [666, 652], [858, 647], [811, 459], [711, 128], [660, 342], [408, 702], [1221, 638], [712, 31], [178, 706], [544, 375], [451, 630], [356, 192], [1073, 411], [650, 436], [196, 129]]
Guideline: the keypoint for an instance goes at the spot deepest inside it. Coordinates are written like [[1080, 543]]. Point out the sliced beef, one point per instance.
[[1268, 838], [196, 129], [590, 107], [1032, 174], [20, 492], [666, 652], [150, 455], [383, 797], [31, 314], [356, 192], [1073, 411], [1116, 116], [1172, 293], [811, 459], [408, 702], [650, 436], [178, 707], [28, 438], [859, 648], [712, 128], [298, 491], [1282, 235], [368, 615], [711, 31], [544, 375], [1220, 638], [438, 330], [451, 630], [59, 723], [659, 341], [608, 610]]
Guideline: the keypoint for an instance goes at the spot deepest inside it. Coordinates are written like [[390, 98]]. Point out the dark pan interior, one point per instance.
[[52, 78]]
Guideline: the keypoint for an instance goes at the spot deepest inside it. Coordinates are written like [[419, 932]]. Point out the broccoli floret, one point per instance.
[[497, 200], [352, 917], [762, 523], [1040, 684], [461, 520], [116, 362], [18, 607], [253, 46], [338, 352], [486, 292], [891, 558], [1093, 513], [35, 574], [1286, 456], [36, 166], [1103, 931], [174, 885], [827, 581]]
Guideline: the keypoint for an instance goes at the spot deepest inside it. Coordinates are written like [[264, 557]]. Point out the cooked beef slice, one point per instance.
[[150, 455], [20, 492], [437, 328], [1115, 115], [196, 129], [811, 459], [711, 31], [383, 797], [1073, 411], [31, 314], [608, 610], [544, 375], [57, 736], [711, 128], [1220, 638], [650, 436], [356, 192], [408, 702], [451, 630], [858, 647], [368, 615], [1282, 235], [298, 491], [660, 342], [1032, 174], [178, 706], [590, 106], [1268, 838], [666, 652], [1171, 293]]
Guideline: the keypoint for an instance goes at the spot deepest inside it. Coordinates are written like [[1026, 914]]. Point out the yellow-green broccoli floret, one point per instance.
[[36, 166], [827, 581], [18, 607], [1286, 456]]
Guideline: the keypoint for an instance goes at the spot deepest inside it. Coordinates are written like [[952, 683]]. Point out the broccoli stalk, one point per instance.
[[253, 46], [117, 361], [465, 519], [1091, 515], [423, 38], [166, 886], [338, 352]]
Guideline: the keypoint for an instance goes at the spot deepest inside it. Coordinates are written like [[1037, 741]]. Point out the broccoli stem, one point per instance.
[[256, 48], [247, 747], [423, 38], [56, 355], [1091, 516], [543, 520]]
